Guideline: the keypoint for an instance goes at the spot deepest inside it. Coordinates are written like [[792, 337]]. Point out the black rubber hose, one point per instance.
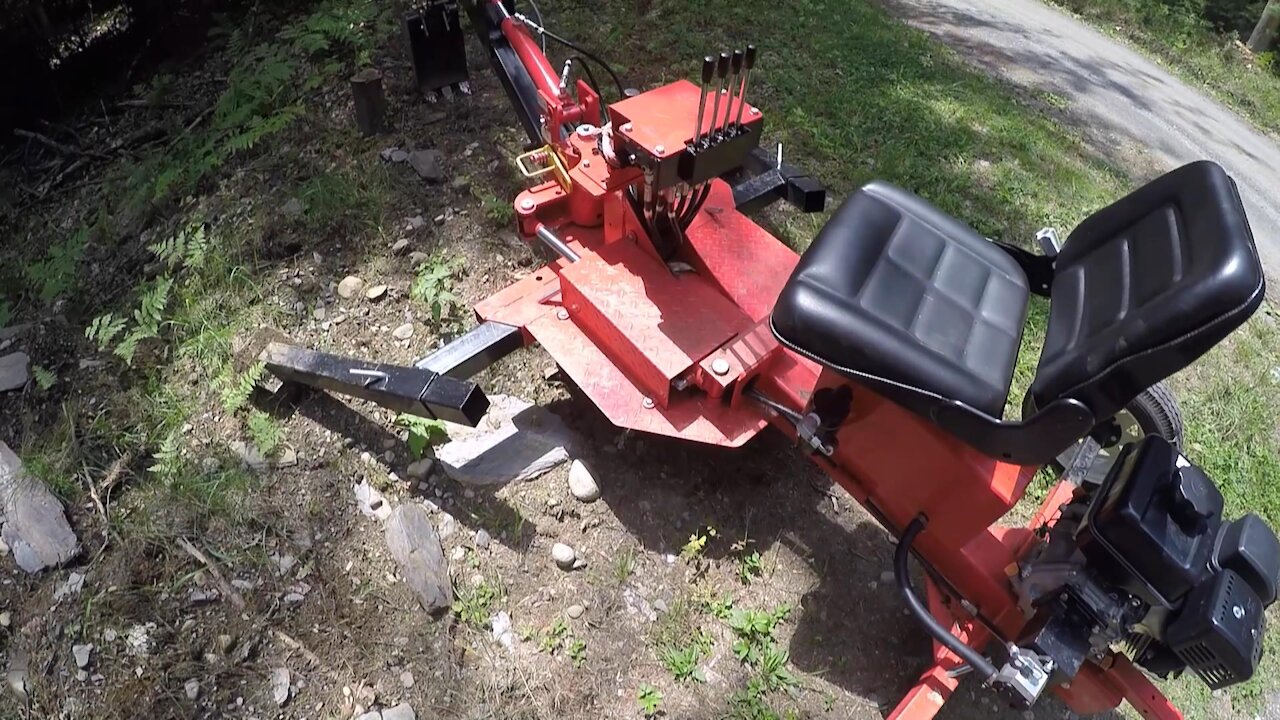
[[622, 93], [981, 666]]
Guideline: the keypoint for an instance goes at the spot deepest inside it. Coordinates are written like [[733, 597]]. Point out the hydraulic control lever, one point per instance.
[[708, 74], [748, 62]]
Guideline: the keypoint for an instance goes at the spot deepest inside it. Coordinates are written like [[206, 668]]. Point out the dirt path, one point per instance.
[[1124, 100]]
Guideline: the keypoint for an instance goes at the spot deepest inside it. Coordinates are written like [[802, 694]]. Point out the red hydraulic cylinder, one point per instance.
[[531, 56]]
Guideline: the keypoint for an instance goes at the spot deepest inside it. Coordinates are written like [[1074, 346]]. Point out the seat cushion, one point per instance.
[[894, 288], [1145, 286]]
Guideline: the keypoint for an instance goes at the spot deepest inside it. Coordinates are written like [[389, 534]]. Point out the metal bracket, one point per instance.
[[481, 347], [766, 181]]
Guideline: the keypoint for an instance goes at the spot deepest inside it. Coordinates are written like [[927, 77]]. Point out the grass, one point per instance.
[[1195, 50]]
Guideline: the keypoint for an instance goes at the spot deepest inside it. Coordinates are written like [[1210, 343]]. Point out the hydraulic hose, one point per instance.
[[981, 665]]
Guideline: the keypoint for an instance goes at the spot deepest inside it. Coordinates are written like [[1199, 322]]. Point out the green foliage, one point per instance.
[[265, 432], [720, 607], [753, 630], [553, 637], [237, 388], [166, 461], [682, 661], [423, 433], [693, 549], [624, 565], [6, 313], [186, 249], [750, 567], [45, 378], [577, 652], [434, 286], [649, 700], [474, 605], [55, 274], [147, 318], [497, 211]]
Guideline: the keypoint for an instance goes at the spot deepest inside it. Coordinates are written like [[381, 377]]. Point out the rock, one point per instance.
[[575, 611], [399, 712], [350, 287], [516, 441], [138, 639], [16, 676], [376, 292], [81, 655], [387, 153], [483, 538], [638, 605], [192, 688], [563, 555], [439, 219], [417, 222], [73, 585], [280, 685], [415, 547], [319, 313], [250, 456], [501, 630], [293, 208], [371, 715], [582, 484], [202, 596], [399, 156], [401, 247], [887, 576], [6, 619], [404, 332], [32, 523], [420, 469], [283, 562], [14, 371], [459, 554], [447, 526], [406, 679], [429, 164], [287, 457], [462, 184], [371, 502], [419, 258]]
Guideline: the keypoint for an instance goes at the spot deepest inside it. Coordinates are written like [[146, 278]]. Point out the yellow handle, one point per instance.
[[537, 163]]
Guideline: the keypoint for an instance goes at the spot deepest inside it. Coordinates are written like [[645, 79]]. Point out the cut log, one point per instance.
[[370, 102]]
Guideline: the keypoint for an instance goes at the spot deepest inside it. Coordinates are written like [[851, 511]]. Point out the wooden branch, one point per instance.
[[54, 144], [227, 590]]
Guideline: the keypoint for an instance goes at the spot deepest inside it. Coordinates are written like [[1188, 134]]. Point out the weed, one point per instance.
[[577, 652], [497, 211], [45, 378], [754, 632], [237, 388], [6, 313], [423, 433], [166, 461], [54, 275], [553, 637], [693, 549], [649, 700], [624, 565], [146, 324], [682, 662], [720, 607], [265, 432], [750, 567], [434, 286], [474, 605]]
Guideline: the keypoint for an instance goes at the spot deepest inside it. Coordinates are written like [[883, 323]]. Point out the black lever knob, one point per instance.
[[737, 61], [722, 68], [751, 56], [1191, 506], [708, 69]]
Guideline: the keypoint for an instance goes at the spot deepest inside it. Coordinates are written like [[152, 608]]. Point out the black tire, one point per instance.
[[1156, 412]]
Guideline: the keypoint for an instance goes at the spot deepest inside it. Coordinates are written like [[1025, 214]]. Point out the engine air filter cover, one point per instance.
[[1219, 632]]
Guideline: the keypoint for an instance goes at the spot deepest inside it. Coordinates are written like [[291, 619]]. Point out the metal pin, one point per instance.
[[722, 72], [749, 62], [734, 86], [708, 72]]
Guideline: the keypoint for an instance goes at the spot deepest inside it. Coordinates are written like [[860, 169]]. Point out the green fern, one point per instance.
[[54, 275], [264, 431], [236, 391], [187, 248], [167, 459], [104, 329], [6, 313], [45, 378]]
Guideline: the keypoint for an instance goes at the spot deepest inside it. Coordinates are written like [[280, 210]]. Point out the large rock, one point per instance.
[[32, 523], [415, 547], [582, 484], [15, 371], [429, 164], [516, 441]]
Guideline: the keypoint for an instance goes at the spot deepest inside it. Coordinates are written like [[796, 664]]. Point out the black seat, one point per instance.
[[895, 287], [900, 296]]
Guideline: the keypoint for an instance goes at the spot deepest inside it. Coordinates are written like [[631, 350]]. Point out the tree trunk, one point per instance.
[[370, 102], [1268, 26]]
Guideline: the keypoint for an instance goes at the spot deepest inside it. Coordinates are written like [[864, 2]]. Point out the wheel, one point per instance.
[[1153, 412]]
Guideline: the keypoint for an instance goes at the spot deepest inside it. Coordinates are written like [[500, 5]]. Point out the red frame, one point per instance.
[[627, 329]]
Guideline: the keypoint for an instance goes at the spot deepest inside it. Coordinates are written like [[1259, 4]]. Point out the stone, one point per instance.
[[406, 679], [285, 458], [582, 484], [417, 258], [387, 153], [420, 469], [293, 208], [575, 611], [202, 596], [563, 555], [462, 184], [399, 156], [81, 655], [280, 685], [32, 522], [399, 712], [415, 547], [429, 164], [375, 292], [371, 502], [500, 629], [70, 588], [349, 287], [319, 313], [417, 222], [459, 554], [401, 247], [283, 562], [447, 526], [191, 688], [14, 371], [483, 538], [6, 619], [404, 332], [516, 441]]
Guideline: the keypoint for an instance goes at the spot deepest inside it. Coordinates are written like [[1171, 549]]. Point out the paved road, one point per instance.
[[1121, 97]]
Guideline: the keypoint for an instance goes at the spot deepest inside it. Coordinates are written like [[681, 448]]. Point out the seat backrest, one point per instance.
[[1144, 287]]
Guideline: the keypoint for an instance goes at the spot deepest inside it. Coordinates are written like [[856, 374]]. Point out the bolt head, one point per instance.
[[660, 149], [648, 404], [626, 128], [755, 111], [586, 130], [720, 366], [586, 163], [526, 204], [562, 314]]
